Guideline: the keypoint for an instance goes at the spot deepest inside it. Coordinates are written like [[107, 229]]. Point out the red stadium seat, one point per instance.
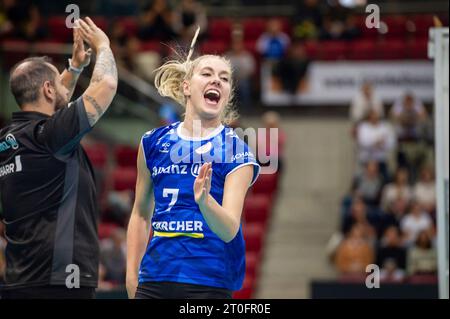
[[214, 47], [97, 153], [396, 25], [423, 23], [126, 156], [254, 27], [124, 178], [257, 209], [392, 50], [105, 230], [362, 50], [418, 49], [150, 46], [252, 264], [423, 279], [333, 50], [58, 29], [220, 29], [254, 237], [130, 25], [312, 49], [266, 184]]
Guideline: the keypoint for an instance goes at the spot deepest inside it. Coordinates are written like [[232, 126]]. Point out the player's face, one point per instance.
[[208, 90]]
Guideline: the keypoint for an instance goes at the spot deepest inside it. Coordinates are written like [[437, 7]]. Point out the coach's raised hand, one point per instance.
[[103, 86]]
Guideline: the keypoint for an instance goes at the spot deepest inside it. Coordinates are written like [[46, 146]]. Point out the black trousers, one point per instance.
[[49, 292], [175, 290]]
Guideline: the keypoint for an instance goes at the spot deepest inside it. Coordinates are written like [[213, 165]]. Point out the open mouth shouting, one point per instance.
[[212, 96]]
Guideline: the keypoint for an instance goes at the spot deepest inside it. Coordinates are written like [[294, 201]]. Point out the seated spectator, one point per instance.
[[397, 189], [410, 116], [422, 257], [351, 29], [358, 216], [25, 19], [187, 16], [424, 191], [244, 66], [273, 43], [156, 22], [412, 126], [291, 71], [369, 184], [391, 248], [332, 29], [390, 272], [376, 140], [119, 205], [354, 253], [307, 20], [393, 215], [113, 256], [415, 222], [103, 284], [363, 102]]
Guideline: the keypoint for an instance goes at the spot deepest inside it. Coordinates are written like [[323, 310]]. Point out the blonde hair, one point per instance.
[[170, 76]]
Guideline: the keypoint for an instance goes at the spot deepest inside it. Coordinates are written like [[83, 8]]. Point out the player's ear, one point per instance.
[[186, 88], [48, 90]]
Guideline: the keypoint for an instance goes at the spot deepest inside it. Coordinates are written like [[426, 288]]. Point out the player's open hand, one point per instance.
[[202, 184], [80, 57], [92, 34]]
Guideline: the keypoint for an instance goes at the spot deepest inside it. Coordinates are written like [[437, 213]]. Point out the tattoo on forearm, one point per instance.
[[93, 117], [105, 65]]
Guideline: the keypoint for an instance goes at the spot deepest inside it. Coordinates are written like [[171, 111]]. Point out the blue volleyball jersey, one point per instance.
[[183, 248]]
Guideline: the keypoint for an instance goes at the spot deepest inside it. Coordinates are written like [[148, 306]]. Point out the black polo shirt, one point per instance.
[[48, 198]]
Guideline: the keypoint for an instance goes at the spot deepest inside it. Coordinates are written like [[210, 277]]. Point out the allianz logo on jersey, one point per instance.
[[8, 143], [179, 169]]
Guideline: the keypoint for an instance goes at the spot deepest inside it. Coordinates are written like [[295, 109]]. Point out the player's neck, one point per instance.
[[199, 127], [38, 107]]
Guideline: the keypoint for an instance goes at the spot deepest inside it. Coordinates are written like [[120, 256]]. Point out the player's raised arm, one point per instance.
[[102, 88]]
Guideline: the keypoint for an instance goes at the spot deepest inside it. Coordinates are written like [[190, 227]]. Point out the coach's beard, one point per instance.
[[60, 102]]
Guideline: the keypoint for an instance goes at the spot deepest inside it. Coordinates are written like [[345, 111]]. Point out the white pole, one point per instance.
[[438, 50]]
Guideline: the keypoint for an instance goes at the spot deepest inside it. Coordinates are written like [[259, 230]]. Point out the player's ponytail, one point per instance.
[[170, 76]]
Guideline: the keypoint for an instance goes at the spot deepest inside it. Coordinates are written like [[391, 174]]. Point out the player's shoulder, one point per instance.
[[159, 132], [232, 138]]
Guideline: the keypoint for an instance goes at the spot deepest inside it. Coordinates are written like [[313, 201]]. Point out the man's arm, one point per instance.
[[103, 86], [80, 59]]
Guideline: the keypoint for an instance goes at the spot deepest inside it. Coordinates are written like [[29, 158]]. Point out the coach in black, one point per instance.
[[46, 180]]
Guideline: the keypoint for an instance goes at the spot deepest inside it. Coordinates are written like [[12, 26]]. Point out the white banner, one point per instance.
[[338, 82]]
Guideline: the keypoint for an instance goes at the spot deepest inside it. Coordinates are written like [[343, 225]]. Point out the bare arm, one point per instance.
[[224, 220], [102, 88], [139, 225]]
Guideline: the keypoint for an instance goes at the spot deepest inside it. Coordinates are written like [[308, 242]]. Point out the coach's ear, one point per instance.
[[186, 88], [49, 91]]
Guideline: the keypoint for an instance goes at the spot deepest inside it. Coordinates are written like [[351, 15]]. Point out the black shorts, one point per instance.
[[176, 290], [49, 292]]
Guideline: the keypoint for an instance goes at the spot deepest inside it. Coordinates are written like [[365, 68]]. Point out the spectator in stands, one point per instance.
[[271, 120], [354, 253], [244, 66], [25, 18], [156, 22], [273, 43], [307, 20], [391, 248], [332, 29], [422, 257], [376, 140], [113, 256], [351, 29], [412, 125], [390, 272], [291, 71], [393, 215], [363, 102], [119, 205], [416, 221], [358, 216], [397, 189], [103, 284], [115, 8], [424, 191], [187, 16], [369, 184], [5, 24]]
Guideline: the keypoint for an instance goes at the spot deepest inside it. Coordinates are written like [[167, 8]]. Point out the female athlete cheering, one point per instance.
[[200, 172]]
